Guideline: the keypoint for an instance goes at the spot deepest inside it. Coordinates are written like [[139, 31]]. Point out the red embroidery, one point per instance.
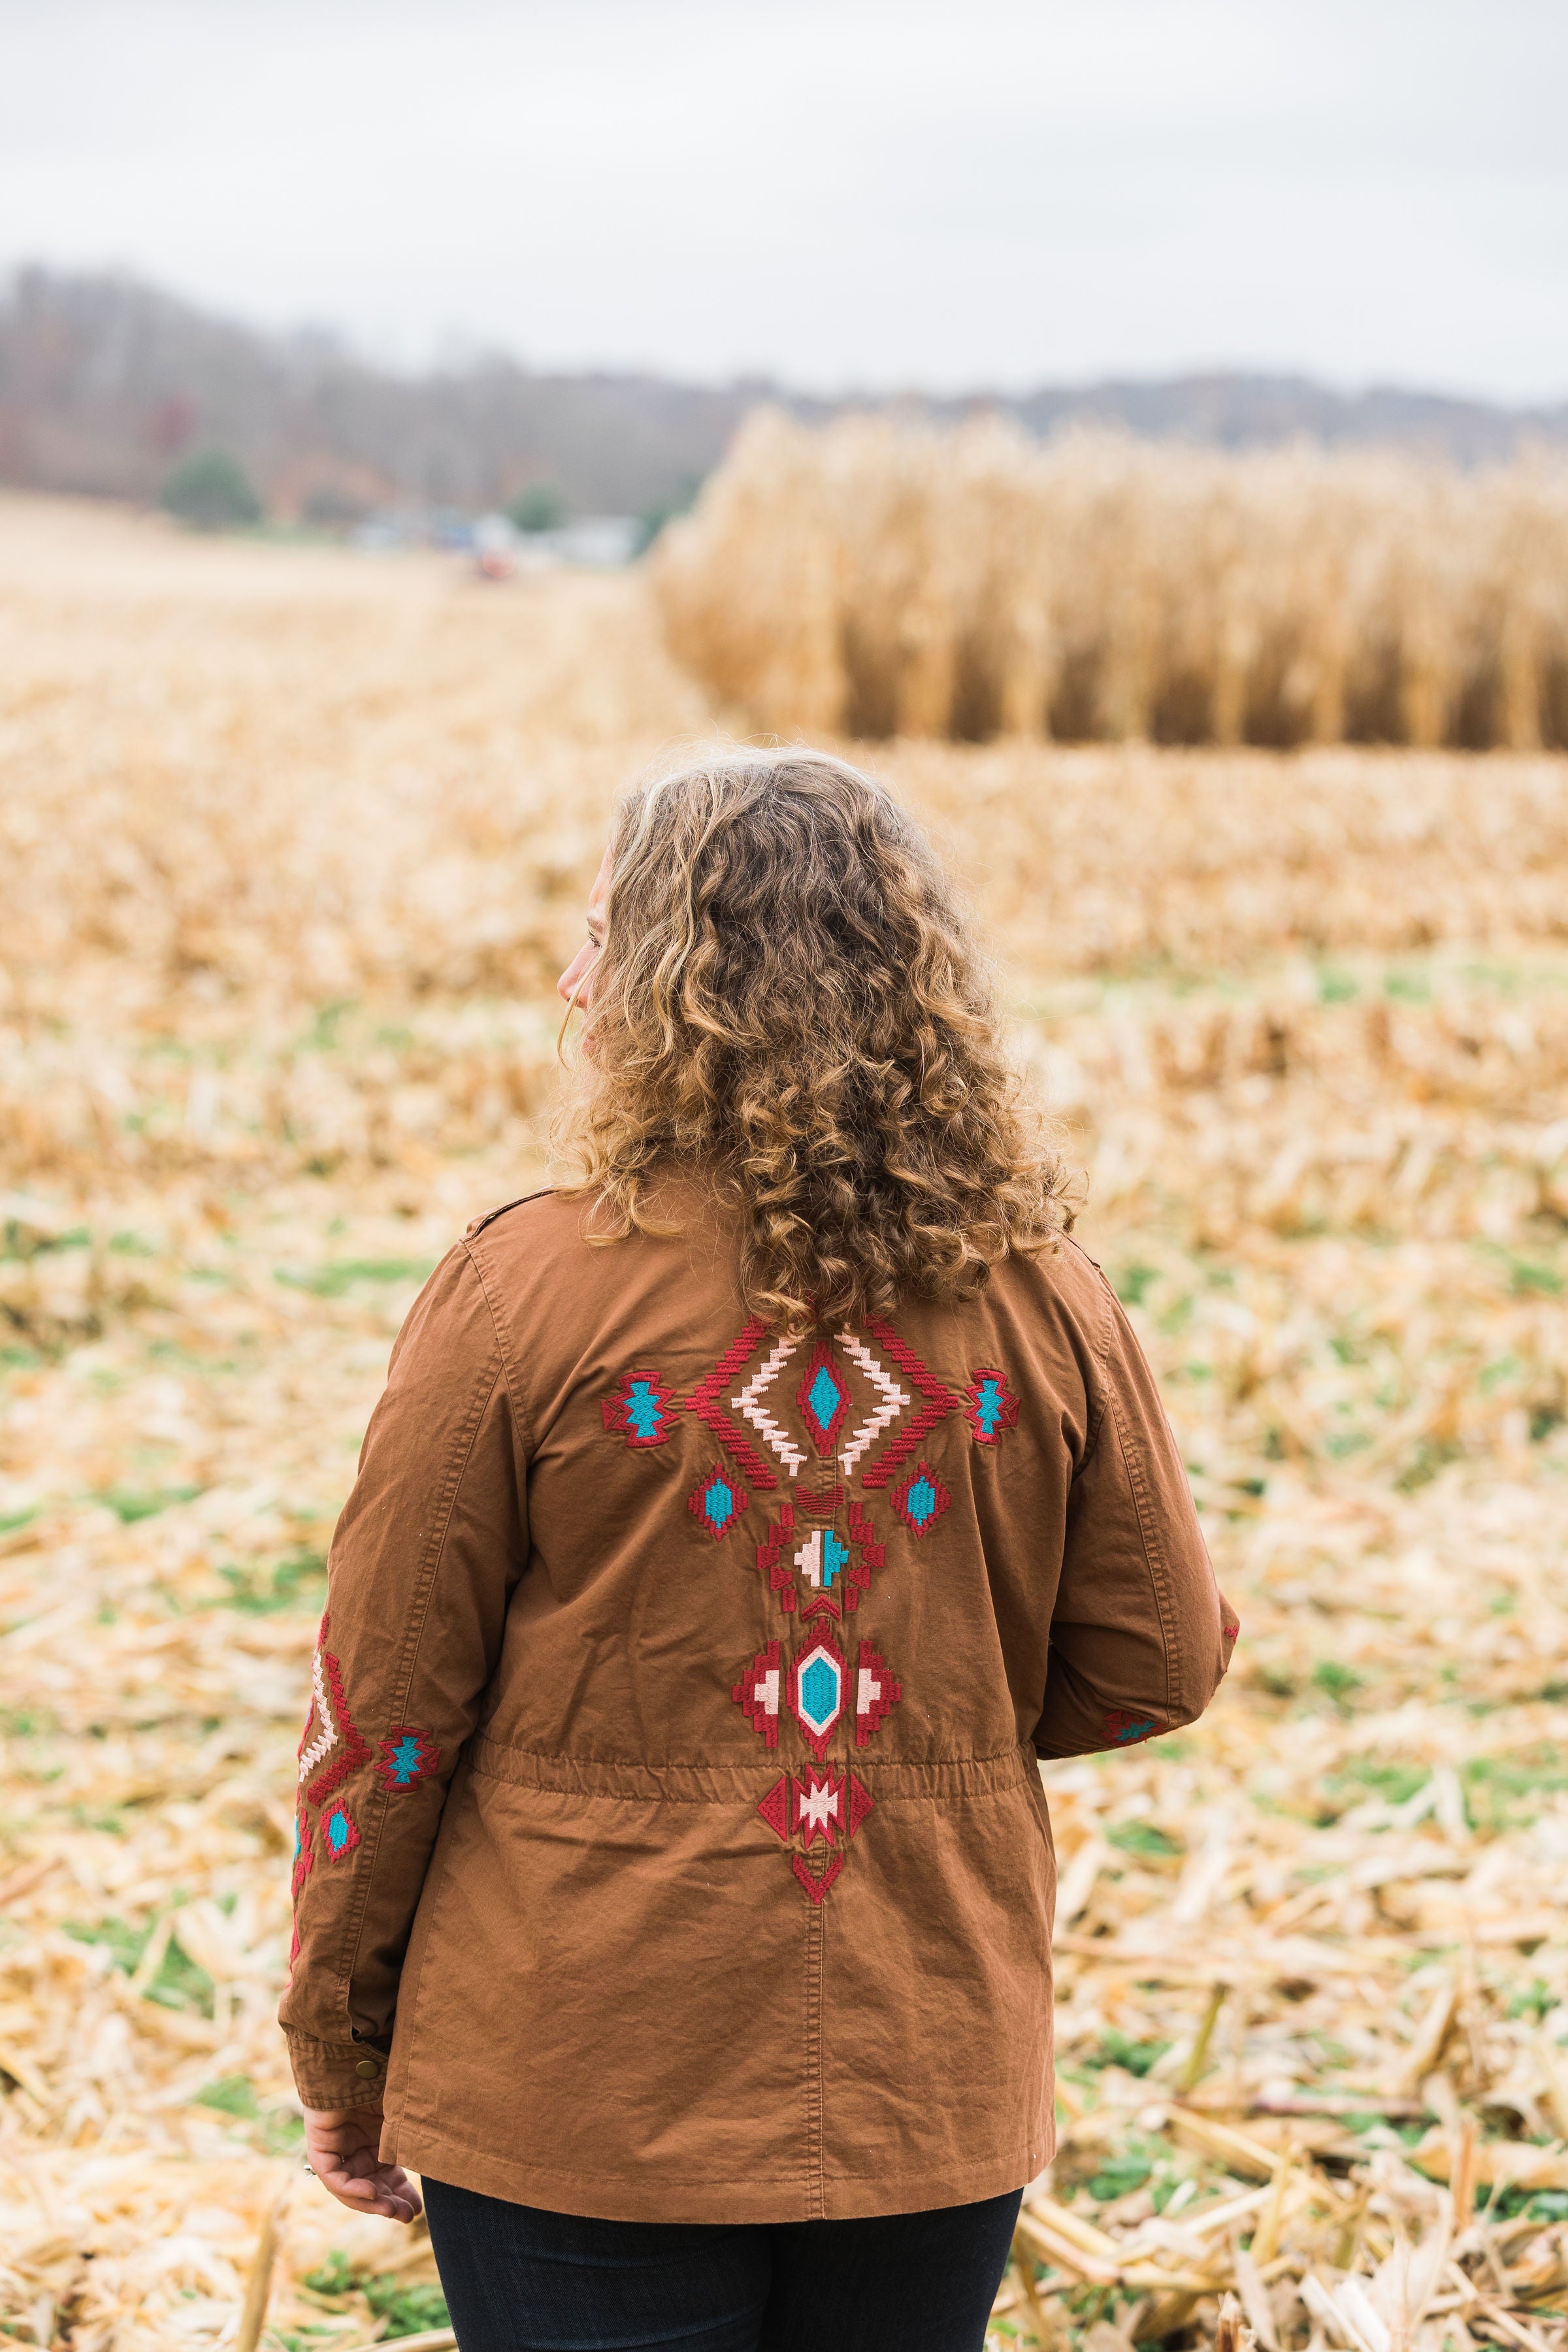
[[1126, 1729], [823, 1398], [921, 1499], [718, 1502], [818, 1809], [1230, 1629], [877, 1693], [641, 1409], [815, 1886], [819, 1507], [817, 1690], [859, 1805], [304, 1854], [938, 1402], [781, 1579], [872, 1555], [775, 1806], [704, 1403], [757, 1694], [338, 1722], [989, 1405], [407, 1756], [823, 1605]]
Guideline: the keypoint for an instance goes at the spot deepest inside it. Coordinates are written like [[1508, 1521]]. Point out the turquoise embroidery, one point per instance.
[[643, 1411], [835, 1556], [989, 1405], [718, 1503], [823, 1397], [922, 1498]]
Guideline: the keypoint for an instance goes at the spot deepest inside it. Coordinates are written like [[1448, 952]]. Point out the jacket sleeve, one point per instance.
[[1140, 1635], [431, 1541]]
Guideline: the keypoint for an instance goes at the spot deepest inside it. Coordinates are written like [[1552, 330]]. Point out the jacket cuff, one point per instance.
[[328, 2074]]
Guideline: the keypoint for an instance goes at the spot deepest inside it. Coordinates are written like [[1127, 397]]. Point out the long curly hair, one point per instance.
[[789, 1001]]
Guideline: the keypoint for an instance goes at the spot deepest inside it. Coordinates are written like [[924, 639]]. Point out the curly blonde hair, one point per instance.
[[788, 999]]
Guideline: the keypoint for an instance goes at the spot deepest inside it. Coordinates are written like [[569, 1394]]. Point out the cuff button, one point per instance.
[[368, 2068]]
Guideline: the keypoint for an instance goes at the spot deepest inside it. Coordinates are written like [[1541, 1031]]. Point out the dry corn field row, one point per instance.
[[887, 579], [290, 845]]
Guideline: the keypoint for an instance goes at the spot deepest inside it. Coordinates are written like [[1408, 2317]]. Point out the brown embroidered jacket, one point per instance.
[[671, 1840]]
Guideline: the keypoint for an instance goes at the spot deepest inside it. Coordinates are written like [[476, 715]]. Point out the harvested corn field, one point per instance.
[[293, 844], [887, 579]]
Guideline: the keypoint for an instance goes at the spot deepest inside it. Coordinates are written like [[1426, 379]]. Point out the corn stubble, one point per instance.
[[291, 848], [883, 579]]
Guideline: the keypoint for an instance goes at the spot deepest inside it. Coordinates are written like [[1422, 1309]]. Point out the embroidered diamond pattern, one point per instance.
[[823, 1398], [718, 1502], [816, 1691], [920, 1501], [339, 1834]]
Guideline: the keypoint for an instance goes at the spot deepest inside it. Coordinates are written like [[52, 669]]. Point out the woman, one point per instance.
[[740, 1524]]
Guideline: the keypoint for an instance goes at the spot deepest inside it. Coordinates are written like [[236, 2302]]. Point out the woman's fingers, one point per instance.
[[384, 2188]]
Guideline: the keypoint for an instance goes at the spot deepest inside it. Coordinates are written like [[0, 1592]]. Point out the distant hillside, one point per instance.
[[105, 383]]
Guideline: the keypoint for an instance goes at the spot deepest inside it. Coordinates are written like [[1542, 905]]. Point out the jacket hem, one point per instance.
[[609, 2197]]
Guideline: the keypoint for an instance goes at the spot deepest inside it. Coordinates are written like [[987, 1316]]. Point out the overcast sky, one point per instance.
[[945, 192]]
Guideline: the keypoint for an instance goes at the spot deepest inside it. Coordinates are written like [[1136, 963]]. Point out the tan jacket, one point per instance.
[[671, 1841]]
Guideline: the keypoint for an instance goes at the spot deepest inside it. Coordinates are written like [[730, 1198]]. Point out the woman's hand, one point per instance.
[[342, 2149]]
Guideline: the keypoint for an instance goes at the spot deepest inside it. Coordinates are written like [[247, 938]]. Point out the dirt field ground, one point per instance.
[[291, 843]]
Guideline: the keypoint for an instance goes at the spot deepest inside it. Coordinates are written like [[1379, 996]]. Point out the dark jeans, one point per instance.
[[518, 2280]]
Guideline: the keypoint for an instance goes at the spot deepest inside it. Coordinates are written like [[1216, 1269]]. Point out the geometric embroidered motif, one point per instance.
[[641, 1409], [859, 1806], [819, 1549], [748, 1401], [823, 1398], [920, 1501], [405, 1757], [894, 1400], [818, 1809], [775, 1807], [989, 1406], [339, 1835], [823, 1559], [817, 1689], [1126, 1730], [863, 1536], [329, 1712], [718, 1502], [876, 1692], [769, 1556], [704, 1403], [757, 1694], [939, 1401]]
